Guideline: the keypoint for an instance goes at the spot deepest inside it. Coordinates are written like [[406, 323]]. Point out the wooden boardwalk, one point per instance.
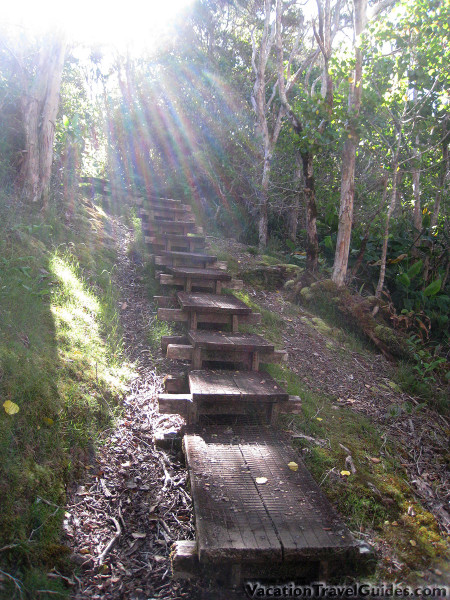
[[252, 508], [258, 511]]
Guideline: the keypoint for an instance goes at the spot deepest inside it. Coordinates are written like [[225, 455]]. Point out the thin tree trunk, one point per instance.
[[362, 250], [443, 178], [388, 218], [417, 216], [263, 206], [442, 182], [349, 154], [312, 244], [48, 118], [30, 166], [292, 218], [39, 109]]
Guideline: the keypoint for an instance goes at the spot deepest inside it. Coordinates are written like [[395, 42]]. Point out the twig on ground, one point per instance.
[[109, 546]]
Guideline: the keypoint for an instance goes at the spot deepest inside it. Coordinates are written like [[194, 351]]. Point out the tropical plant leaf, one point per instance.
[[415, 269], [433, 288]]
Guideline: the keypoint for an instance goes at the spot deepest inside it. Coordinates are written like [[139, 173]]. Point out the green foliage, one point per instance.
[[61, 363]]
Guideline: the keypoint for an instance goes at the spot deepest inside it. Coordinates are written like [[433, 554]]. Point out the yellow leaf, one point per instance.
[[261, 480], [399, 258], [345, 473], [48, 420], [319, 419], [10, 407], [413, 543], [293, 466], [350, 79]]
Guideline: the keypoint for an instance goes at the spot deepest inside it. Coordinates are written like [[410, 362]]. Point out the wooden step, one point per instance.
[[157, 214], [166, 301], [223, 386], [172, 258], [178, 315], [176, 241], [173, 339], [175, 404], [255, 513], [157, 202], [182, 227], [179, 351], [208, 279]]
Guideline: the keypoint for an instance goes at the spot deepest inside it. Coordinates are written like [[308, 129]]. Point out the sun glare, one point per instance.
[[134, 23]]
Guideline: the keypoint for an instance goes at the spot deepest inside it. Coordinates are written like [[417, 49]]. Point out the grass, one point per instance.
[[61, 364], [377, 497]]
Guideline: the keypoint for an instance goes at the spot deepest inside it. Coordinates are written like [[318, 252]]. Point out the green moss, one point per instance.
[[61, 363]]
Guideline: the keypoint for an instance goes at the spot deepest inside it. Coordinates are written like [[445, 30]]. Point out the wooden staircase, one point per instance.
[[258, 511]]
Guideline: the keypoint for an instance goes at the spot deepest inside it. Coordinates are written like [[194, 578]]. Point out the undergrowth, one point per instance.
[[377, 497], [62, 372]]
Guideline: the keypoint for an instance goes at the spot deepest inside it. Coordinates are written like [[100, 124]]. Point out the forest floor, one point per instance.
[[133, 504]]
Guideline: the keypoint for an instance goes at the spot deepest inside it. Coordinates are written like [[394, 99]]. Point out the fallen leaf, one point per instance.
[[138, 535], [293, 466], [48, 420], [413, 543], [261, 480], [437, 572], [375, 460], [345, 473], [124, 305], [319, 419], [10, 407]]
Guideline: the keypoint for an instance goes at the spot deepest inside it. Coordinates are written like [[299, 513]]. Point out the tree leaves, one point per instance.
[[10, 407], [433, 288]]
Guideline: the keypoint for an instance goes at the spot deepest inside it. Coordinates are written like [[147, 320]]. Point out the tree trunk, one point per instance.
[[365, 239], [292, 217], [39, 106], [443, 178], [48, 118], [30, 166], [388, 219], [349, 154], [417, 216], [346, 210], [312, 244], [263, 206]]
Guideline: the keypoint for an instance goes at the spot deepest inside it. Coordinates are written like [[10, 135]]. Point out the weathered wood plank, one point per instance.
[[297, 518], [172, 339], [219, 340], [213, 303], [222, 386], [172, 314], [175, 384], [166, 301], [175, 404], [231, 520], [179, 351]]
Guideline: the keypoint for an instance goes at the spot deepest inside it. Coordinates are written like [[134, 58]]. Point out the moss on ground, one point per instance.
[[377, 497], [61, 365]]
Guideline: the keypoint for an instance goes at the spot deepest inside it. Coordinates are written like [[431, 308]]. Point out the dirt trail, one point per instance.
[[133, 503], [364, 381]]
